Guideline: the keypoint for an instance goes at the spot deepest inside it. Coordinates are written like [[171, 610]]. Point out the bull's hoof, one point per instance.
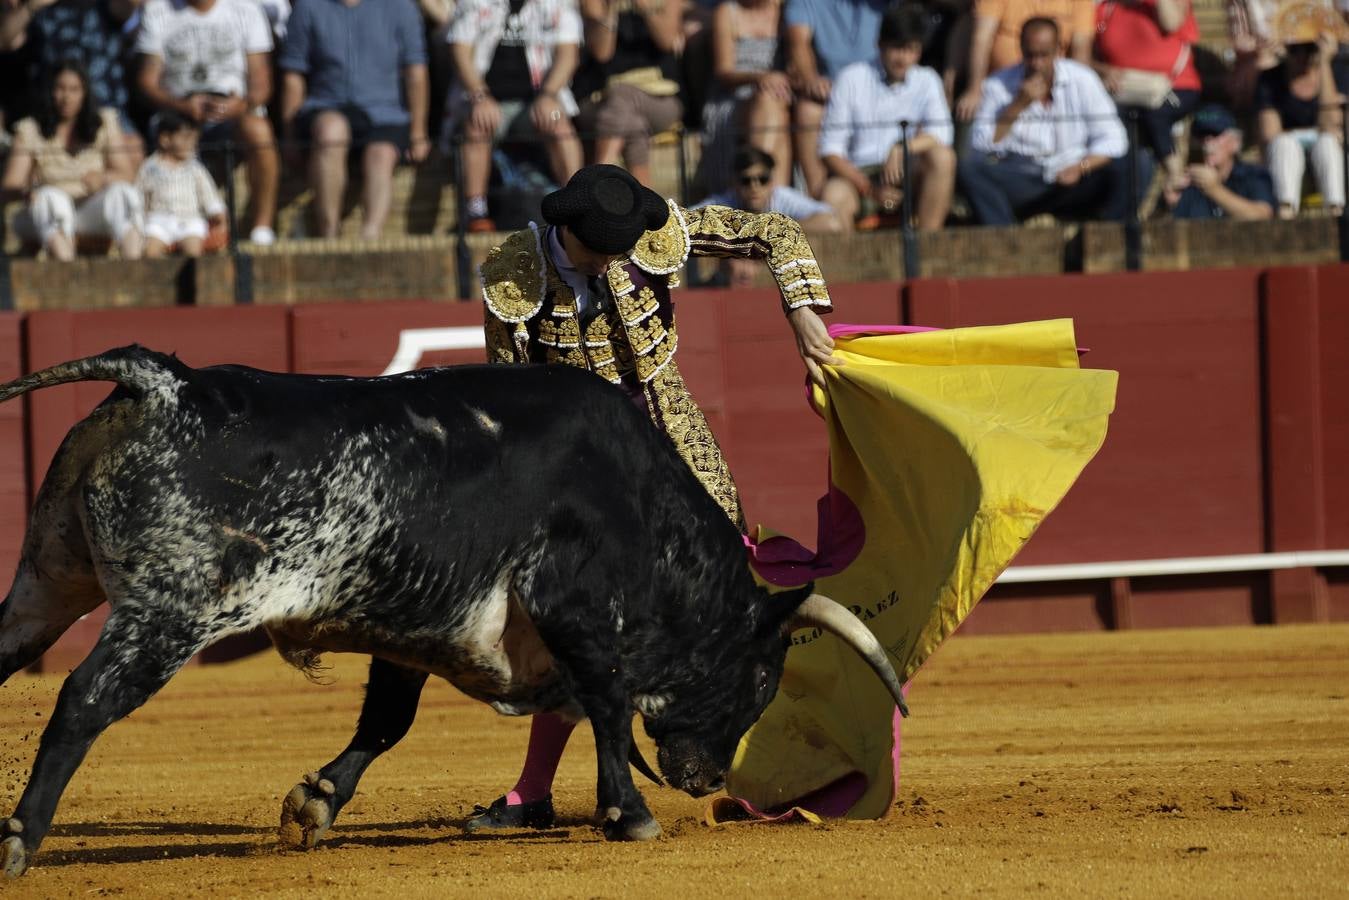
[[306, 813], [13, 854], [620, 827]]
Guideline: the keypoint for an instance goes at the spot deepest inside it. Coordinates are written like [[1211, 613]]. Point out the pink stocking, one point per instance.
[[548, 736]]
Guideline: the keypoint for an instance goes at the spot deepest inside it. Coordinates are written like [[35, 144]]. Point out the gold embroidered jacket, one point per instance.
[[531, 315]]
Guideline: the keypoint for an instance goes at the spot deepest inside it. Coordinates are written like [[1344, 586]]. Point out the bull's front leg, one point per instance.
[[137, 652], [592, 661], [391, 698], [626, 817]]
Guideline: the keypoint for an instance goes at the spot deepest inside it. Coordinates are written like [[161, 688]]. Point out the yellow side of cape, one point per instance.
[[954, 445]]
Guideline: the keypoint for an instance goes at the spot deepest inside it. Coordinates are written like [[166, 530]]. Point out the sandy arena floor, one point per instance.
[[1157, 764]]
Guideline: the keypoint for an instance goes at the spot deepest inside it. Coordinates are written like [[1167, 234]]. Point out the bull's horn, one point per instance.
[[638, 761], [818, 610]]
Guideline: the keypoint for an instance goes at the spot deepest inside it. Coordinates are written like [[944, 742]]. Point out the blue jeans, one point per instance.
[[1008, 189]]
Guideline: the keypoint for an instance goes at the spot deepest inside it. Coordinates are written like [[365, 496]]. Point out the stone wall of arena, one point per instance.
[[1231, 427]]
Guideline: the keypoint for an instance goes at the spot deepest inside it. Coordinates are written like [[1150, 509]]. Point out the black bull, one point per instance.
[[523, 532]]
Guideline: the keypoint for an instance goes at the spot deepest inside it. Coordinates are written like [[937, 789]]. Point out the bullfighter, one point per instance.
[[591, 289]]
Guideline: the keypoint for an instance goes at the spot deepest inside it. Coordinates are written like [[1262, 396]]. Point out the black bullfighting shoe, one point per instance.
[[536, 814]]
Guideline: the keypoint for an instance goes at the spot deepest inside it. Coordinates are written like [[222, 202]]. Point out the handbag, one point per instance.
[[1141, 87], [1138, 87]]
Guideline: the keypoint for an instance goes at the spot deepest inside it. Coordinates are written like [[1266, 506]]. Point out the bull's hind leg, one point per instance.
[[390, 705], [137, 652], [39, 609]]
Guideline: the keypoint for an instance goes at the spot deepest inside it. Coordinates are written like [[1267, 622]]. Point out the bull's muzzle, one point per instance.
[[689, 770]]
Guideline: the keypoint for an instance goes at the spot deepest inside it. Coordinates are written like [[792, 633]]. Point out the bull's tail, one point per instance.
[[143, 372]]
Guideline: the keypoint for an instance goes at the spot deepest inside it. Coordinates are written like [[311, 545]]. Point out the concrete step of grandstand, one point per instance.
[[426, 267]]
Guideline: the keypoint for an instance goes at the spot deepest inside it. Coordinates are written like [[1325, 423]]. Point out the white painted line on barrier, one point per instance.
[[413, 342], [1194, 565]]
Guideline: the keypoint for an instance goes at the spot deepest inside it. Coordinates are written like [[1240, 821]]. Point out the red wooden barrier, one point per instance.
[[776, 446], [253, 336], [1181, 470], [364, 338], [1232, 418], [1306, 325], [13, 483]]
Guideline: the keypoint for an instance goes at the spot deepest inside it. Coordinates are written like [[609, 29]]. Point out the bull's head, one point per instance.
[[698, 722]]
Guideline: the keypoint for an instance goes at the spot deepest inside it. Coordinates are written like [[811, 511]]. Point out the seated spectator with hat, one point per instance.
[[1299, 103], [1221, 185], [592, 289]]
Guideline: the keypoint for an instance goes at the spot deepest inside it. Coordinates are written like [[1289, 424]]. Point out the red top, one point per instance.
[[1128, 35]]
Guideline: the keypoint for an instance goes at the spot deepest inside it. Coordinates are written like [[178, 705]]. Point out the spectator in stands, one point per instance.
[[66, 162], [181, 201], [43, 34], [14, 92], [514, 60], [1300, 115], [354, 79], [278, 14], [210, 60], [823, 38], [1141, 45], [633, 42], [1218, 184], [1046, 139], [751, 98], [1250, 31], [996, 43], [436, 16], [946, 48], [756, 192], [860, 138]]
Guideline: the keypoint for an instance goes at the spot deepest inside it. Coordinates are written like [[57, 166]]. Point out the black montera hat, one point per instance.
[[606, 208]]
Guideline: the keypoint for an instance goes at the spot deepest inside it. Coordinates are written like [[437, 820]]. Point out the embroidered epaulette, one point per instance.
[[665, 250], [512, 277]]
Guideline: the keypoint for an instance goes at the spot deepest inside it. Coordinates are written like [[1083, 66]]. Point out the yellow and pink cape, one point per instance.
[[947, 450]]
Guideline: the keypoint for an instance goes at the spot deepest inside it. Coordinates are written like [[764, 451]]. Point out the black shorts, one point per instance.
[[363, 131]]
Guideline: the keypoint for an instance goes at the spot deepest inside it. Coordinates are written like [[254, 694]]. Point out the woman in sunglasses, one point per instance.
[[752, 190]]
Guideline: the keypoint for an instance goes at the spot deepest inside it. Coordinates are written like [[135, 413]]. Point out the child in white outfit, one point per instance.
[[181, 200]]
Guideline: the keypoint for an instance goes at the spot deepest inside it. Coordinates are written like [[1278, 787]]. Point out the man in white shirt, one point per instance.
[[514, 60], [210, 61], [860, 138], [1046, 138]]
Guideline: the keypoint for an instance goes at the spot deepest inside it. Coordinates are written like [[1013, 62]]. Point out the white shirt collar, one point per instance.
[[555, 246]]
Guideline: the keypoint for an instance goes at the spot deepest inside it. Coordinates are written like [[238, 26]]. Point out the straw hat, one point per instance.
[[1304, 21]]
